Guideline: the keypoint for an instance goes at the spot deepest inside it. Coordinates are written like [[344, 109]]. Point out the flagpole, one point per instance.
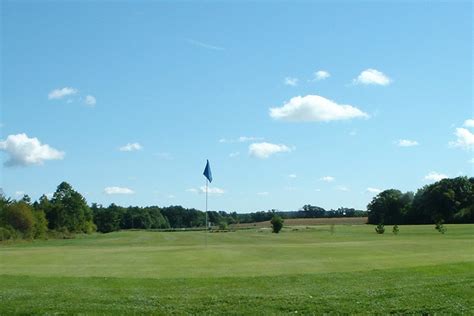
[[206, 211], [207, 173]]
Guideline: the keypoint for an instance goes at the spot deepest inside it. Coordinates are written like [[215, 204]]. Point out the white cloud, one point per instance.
[[407, 143], [25, 151], [263, 193], [469, 123], [321, 75], [372, 76], [19, 193], [241, 139], [118, 190], [327, 179], [435, 176], [171, 196], [234, 154], [465, 139], [342, 188], [131, 147], [61, 93], [317, 190], [471, 161], [353, 132], [265, 150], [289, 81], [49, 195], [374, 190], [192, 190], [211, 190], [315, 108], [293, 176], [90, 100]]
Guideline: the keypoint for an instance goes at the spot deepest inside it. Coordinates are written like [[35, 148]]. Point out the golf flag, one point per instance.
[[207, 172]]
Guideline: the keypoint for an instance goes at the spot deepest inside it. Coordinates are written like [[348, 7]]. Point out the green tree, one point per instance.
[[157, 219], [223, 225], [69, 210], [41, 224], [41, 208], [389, 207], [448, 200], [440, 227], [395, 230], [26, 198], [107, 219], [19, 215], [277, 223], [380, 229]]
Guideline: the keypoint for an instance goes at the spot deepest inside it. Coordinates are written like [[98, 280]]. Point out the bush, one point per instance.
[[41, 225], [223, 225], [61, 233], [277, 223], [8, 233], [89, 228], [395, 229], [20, 216], [440, 227], [380, 229]]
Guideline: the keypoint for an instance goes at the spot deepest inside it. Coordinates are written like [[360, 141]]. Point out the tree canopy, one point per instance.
[[448, 200]]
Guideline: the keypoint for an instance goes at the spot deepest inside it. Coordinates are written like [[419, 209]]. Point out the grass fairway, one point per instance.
[[301, 270]]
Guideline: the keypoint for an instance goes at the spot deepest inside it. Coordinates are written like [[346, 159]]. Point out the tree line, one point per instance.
[[64, 214], [67, 213], [307, 211], [446, 201]]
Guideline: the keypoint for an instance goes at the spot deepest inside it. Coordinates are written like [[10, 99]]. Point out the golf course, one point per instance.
[[304, 269]]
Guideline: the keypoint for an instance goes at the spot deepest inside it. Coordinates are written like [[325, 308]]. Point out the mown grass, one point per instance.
[[304, 269]]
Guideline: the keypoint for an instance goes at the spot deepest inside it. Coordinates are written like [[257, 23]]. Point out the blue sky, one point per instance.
[[293, 103]]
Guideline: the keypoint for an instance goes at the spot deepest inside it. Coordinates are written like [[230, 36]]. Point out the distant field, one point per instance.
[[314, 269], [308, 222]]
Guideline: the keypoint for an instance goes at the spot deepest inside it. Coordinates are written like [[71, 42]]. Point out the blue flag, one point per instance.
[[207, 172]]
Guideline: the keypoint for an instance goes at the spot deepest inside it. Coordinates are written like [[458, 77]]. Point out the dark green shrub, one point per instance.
[[61, 233], [395, 229], [41, 224], [277, 223], [19, 215], [380, 229], [223, 225], [8, 233], [440, 227], [89, 228]]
